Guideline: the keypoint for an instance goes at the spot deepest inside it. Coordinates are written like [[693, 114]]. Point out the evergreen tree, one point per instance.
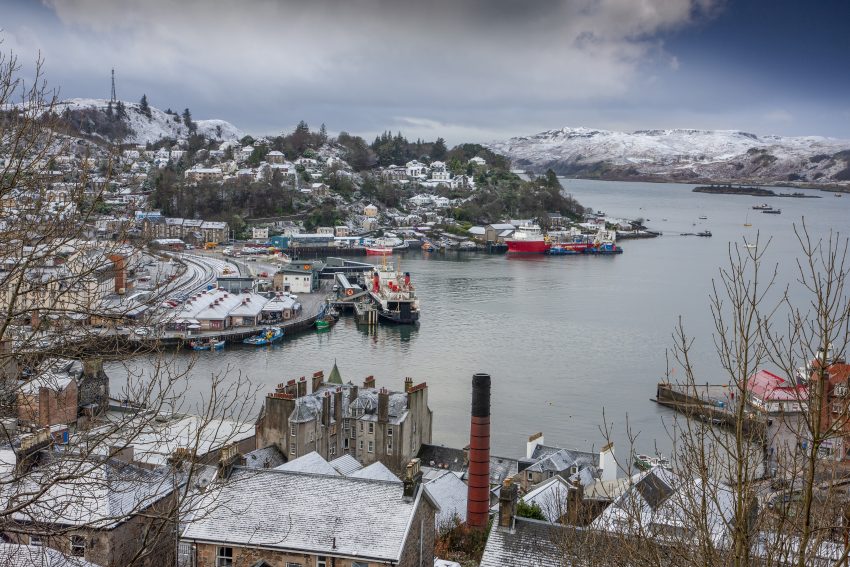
[[323, 133], [109, 112], [438, 151], [120, 111], [187, 120], [144, 107]]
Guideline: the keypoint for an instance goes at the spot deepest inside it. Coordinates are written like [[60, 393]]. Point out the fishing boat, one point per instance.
[[211, 344], [394, 295], [322, 324], [528, 240], [704, 233], [762, 207], [772, 211], [265, 337], [703, 217], [378, 251], [604, 244]]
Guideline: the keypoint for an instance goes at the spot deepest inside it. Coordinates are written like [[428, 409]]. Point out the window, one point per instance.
[[345, 442], [361, 445], [78, 545], [321, 561], [311, 437], [836, 408], [333, 450], [361, 427], [414, 427], [573, 469], [389, 448], [371, 428], [294, 565], [292, 430], [529, 477], [224, 557], [389, 431], [359, 564], [35, 540], [292, 448], [371, 446]]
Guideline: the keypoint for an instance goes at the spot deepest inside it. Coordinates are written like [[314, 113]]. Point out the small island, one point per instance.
[[730, 190]]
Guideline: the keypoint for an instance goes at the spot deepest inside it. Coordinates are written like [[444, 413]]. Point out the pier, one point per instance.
[[713, 403]]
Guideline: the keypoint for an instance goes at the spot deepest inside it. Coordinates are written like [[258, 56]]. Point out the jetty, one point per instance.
[[712, 403]]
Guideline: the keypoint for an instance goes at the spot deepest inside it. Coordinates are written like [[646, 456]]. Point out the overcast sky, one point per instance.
[[467, 70]]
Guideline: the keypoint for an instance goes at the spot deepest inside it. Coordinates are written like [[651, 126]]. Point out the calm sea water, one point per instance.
[[566, 339]]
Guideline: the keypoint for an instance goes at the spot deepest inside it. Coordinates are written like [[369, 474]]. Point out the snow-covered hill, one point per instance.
[[90, 116], [681, 155]]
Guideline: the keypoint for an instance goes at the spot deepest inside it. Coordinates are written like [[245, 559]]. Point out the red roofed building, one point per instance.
[[769, 393]]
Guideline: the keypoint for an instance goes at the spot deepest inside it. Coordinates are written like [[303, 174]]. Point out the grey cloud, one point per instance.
[[474, 67]]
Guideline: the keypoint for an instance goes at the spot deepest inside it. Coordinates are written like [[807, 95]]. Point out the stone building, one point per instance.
[[308, 519], [106, 514], [335, 419]]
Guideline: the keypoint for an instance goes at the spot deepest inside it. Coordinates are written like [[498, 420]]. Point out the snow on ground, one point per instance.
[[160, 125]]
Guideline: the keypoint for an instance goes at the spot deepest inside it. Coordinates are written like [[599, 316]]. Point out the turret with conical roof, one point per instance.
[[335, 377]]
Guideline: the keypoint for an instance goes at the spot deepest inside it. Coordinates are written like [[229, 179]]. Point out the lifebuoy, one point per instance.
[[306, 266], [349, 292]]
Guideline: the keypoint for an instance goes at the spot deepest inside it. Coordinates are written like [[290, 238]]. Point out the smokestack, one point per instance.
[[478, 496]]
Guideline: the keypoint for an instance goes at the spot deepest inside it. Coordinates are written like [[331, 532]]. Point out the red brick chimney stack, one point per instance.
[[478, 496]]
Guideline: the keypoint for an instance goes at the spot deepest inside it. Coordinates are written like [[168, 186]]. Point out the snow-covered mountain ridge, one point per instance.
[[681, 155], [90, 115]]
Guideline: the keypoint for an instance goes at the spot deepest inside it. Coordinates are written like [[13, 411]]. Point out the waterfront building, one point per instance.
[[298, 277], [313, 517], [768, 393], [336, 419]]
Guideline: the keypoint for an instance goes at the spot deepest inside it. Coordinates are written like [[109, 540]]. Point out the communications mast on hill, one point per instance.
[[114, 97]]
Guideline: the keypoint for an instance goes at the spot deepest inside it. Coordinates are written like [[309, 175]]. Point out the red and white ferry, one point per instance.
[[528, 240]]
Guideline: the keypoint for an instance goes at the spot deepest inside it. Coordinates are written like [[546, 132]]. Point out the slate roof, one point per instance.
[[16, 555], [102, 495], [259, 458], [376, 471], [531, 543], [438, 456], [502, 468], [305, 513], [551, 496], [346, 464], [450, 493], [309, 463], [660, 497]]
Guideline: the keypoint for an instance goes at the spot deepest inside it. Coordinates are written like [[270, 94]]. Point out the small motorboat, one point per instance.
[[265, 337], [772, 211], [378, 251], [645, 462], [703, 217], [211, 344], [762, 207]]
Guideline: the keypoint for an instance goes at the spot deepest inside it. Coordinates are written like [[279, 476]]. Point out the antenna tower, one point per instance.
[[114, 98]]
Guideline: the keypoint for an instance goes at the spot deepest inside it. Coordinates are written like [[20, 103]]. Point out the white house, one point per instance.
[[420, 200], [246, 152], [442, 202], [478, 161], [416, 168], [260, 233], [370, 210]]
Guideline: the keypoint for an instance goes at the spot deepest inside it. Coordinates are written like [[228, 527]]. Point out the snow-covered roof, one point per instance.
[[376, 471], [310, 463], [450, 492], [346, 465], [551, 496], [18, 555], [100, 496], [313, 514]]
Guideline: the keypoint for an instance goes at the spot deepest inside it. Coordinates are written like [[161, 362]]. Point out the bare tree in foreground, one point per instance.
[[66, 478]]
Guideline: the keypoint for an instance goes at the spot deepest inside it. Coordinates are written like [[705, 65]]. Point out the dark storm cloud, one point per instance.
[[464, 69]]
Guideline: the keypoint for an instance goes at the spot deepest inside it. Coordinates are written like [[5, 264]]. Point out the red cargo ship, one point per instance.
[[528, 240]]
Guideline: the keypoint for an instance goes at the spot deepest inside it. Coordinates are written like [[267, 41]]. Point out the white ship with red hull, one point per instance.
[[528, 240]]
